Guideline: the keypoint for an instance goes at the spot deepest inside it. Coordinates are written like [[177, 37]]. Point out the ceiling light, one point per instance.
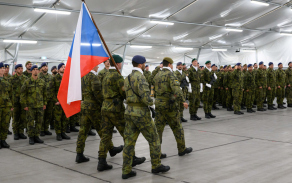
[[250, 51], [146, 35], [43, 57], [183, 48], [139, 46], [260, 3], [19, 41], [286, 34], [234, 30], [159, 22], [52, 11], [218, 49], [180, 36], [215, 37]]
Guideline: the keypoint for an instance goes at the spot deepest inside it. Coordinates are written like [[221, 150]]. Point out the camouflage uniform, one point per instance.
[[185, 89], [90, 110], [147, 75], [244, 92], [227, 84], [237, 87], [261, 81], [208, 93], [27, 74], [281, 81], [138, 120], [34, 96], [223, 91], [7, 77], [6, 103], [101, 74], [216, 87], [157, 69], [61, 121], [255, 98], [194, 99], [112, 110], [48, 113], [249, 84], [180, 78], [19, 114], [271, 82], [289, 82], [168, 95]]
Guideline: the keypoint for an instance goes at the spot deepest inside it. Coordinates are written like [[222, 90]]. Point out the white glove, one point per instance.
[[215, 76], [201, 87], [153, 106], [181, 88], [208, 85], [187, 78], [190, 88]]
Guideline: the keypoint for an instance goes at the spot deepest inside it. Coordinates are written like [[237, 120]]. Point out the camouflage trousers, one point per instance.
[[280, 95], [237, 98], [249, 99], [194, 101], [216, 95], [289, 95], [181, 109], [223, 96], [74, 119], [185, 92], [229, 99], [109, 121], [260, 97], [35, 117], [4, 121], [89, 118], [271, 95], [61, 121], [172, 118], [19, 119], [145, 125], [208, 96], [48, 116], [243, 98]]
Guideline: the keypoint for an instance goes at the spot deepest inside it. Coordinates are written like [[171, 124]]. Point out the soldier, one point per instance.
[[168, 94], [237, 88], [220, 85], [147, 75], [223, 90], [271, 82], [46, 77], [255, 69], [195, 80], [249, 86], [261, 84], [19, 114], [280, 78], [244, 70], [289, 83], [54, 71], [61, 121], [227, 85], [181, 77], [216, 88], [28, 66], [6, 106], [7, 76], [91, 114], [112, 112], [34, 98]]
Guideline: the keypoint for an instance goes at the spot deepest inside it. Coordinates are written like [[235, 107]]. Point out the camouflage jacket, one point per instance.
[[186, 72], [237, 79], [271, 78], [289, 76], [113, 92], [6, 97], [54, 87], [194, 77], [147, 75], [206, 79], [101, 74], [220, 76], [91, 92], [16, 83], [137, 105], [281, 78], [260, 78], [180, 76], [227, 80], [27, 74], [249, 81], [157, 69], [7, 77], [216, 84], [47, 79], [33, 93], [167, 89]]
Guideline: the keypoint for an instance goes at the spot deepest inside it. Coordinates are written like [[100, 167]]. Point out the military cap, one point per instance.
[[249, 65], [213, 65], [54, 67], [184, 64], [221, 67], [194, 59], [28, 62], [60, 65], [117, 58], [39, 68], [208, 62], [168, 60], [201, 66], [179, 63], [270, 63], [139, 59], [18, 65], [279, 63], [161, 62], [289, 63], [33, 67], [261, 63], [224, 66], [43, 64], [229, 66], [147, 66], [238, 64], [1, 65], [232, 67], [6, 65]]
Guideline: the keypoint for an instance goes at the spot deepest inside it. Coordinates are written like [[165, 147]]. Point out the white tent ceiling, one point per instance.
[[197, 24]]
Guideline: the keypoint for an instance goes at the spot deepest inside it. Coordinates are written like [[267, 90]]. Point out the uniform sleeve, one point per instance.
[[96, 88], [120, 83], [175, 87], [23, 95], [143, 91]]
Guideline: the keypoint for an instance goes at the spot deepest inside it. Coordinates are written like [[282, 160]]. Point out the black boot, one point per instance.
[[64, 136], [161, 168], [186, 151], [22, 136], [261, 109], [193, 118], [116, 150], [200, 106], [138, 161], [80, 158], [198, 118], [91, 133], [42, 133], [211, 115], [16, 136], [243, 107], [275, 108], [289, 105], [183, 120], [237, 112], [129, 175], [249, 110], [241, 112], [162, 156], [59, 137], [270, 107], [9, 132], [280, 106], [115, 131], [68, 129], [48, 133], [73, 129], [31, 140], [207, 116], [52, 126], [4, 144], [253, 110], [77, 124], [102, 165], [38, 140], [254, 106]]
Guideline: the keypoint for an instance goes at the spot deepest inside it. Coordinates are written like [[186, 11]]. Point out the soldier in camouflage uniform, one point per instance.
[[6, 106], [168, 96], [249, 86], [147, 75], [244, 70], [91, 114], [227, 85], [138, 119], [181, 77], [194, 96], [44, 75], [271, 82], [220, 85], [216, 88], [255, 69], [223, 90], [19, 114], [54, 73], [289, 84], [185, 89], [281, 84], [112, 112], [237, 88], [261, 84], [61, 121], [34, 97], [7, 76], [28, 66]]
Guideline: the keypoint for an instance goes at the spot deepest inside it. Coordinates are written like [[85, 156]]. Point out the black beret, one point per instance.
[[60, 65], [54, 67], [18, 65], [118, 58], [139, 59], [43, 64], [33, 67]]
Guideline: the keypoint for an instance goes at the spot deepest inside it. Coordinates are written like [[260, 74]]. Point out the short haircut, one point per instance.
[[135, 64], [165, 63]]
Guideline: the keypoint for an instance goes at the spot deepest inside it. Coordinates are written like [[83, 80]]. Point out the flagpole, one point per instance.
[[111, 57]]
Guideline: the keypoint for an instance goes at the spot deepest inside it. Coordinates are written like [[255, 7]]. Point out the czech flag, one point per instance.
[[87, 51]]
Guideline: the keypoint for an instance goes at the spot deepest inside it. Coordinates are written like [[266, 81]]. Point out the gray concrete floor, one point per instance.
[[248, 148]]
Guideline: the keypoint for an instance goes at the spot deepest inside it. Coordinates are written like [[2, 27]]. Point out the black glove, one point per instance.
[[153, 112]]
